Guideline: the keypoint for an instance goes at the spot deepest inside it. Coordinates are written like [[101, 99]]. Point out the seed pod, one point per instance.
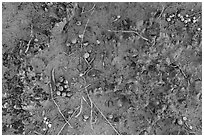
[[58, 93], [64, 94], [60, 88], [66, 86]]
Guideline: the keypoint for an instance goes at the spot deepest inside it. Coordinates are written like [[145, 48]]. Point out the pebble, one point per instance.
[[110, 116], [69, 94], [66, 82], [49, 125], [86, 55], [184, 118], [85, 117], [74, 41], [45, 118], [180, 122]]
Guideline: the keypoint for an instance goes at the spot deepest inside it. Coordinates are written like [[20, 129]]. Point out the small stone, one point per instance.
[[85, 43], [46, 122], [45, 118], [70, 111], [36, 40], [49, 125], [85, 117], [66, 82], [180, 122], [110, 116], [184, 118], [190, 127], [86, 55], [69, 94], [74, 41], [81, 36], [68, 44], [78, 23], [168, 19], [98, 42]]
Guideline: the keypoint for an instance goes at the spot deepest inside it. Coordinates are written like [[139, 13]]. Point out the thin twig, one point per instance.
[[68, 121], [91, 111], [87, 10], [62, 128], [31, 35], [85, 30], [103, 115], [81, 107]]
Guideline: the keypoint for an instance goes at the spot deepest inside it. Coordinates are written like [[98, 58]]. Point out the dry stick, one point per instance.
[[105, 118], [81, 107], [31, 35], [52, 76], [88, 10], [91, 115], [62, 128], [88, 104], [85, 30], [37, 133], [91, 119]]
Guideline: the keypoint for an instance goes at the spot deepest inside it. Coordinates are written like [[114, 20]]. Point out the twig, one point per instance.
[[87, 10], [37, 133], [62, 128], [103, 115], [91, 119], [68, 121], [82, 37], [81, 107], [31, 35]]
